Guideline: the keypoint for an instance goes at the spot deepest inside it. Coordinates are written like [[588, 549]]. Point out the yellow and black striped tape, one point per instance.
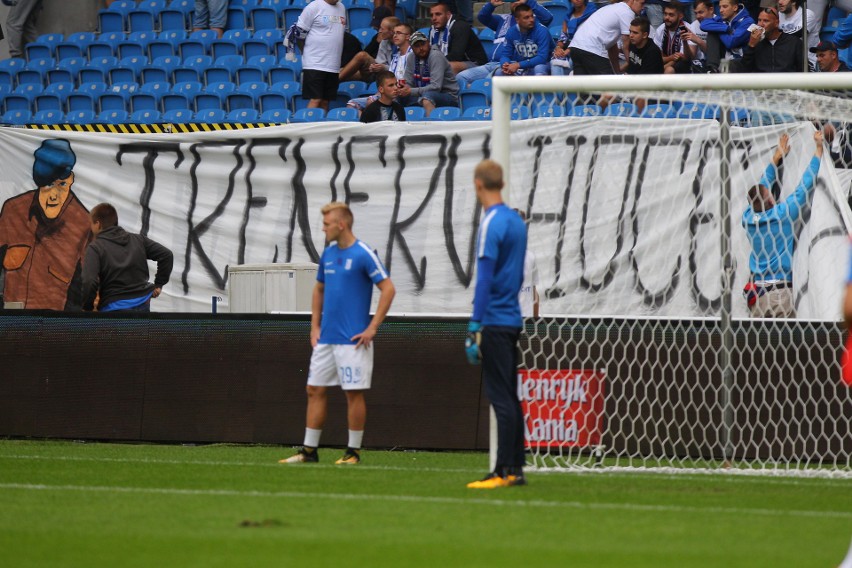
[[151, 128]]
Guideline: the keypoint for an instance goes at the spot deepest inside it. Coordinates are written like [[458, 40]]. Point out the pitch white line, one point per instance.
[[722, 476], [426, 499]]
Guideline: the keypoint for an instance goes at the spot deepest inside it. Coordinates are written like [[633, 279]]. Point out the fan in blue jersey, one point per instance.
[[500, 23], [527, 47], [770, 229], [496, 321], [342, 330]]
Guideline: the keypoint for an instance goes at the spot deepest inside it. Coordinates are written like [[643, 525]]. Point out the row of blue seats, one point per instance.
[[153, 44], [170, 69], [164, 97]]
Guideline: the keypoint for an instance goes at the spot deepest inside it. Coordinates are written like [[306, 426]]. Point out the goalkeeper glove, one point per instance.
[[471, 343]]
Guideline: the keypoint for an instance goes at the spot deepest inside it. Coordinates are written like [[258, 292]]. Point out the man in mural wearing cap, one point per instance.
[[43, 235]]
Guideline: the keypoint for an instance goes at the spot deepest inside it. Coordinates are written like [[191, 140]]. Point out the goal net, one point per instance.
[[691, 244]]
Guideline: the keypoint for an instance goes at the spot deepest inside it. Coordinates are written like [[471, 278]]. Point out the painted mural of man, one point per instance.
[[43, 235]]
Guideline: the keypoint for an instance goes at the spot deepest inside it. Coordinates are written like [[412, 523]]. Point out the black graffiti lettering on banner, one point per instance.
[[609, 273], [151, 151], [358, 197], [397, 226], [662, 297], [575, 143], [697, 219], [252, 201]]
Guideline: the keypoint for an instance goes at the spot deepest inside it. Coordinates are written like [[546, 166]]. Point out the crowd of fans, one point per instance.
[[433, 65]]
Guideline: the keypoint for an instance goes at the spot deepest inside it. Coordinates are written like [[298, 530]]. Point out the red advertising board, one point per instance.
[[562, 407]]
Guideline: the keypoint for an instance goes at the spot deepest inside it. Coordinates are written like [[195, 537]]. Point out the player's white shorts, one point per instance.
[[341, 365]]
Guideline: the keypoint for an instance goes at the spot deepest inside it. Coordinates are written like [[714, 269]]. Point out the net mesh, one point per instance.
[[642, 228]]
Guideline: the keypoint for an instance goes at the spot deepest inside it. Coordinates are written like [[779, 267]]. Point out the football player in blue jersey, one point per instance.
[[342, 330], [496, 323]]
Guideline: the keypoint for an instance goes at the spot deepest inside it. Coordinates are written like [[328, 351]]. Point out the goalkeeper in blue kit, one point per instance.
[[496, 323]]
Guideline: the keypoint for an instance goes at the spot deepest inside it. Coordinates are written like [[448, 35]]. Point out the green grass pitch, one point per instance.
[[121, 505]]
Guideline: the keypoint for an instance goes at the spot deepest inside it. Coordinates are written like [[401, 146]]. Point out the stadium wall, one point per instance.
[[240, 378]]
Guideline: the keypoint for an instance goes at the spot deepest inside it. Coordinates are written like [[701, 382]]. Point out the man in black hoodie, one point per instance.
[[770, 50], [116, 266]]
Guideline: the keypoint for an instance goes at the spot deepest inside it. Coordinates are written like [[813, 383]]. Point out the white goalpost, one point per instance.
[[654, 351]]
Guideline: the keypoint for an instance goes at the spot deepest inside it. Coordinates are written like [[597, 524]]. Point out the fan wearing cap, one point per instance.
[[43, 235], [827, 59], [429, 79]]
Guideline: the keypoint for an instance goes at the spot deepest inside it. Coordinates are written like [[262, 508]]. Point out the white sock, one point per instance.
[[355, 437], [312, 438]]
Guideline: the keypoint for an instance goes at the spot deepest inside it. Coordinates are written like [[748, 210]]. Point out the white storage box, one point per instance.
[[271, 288]]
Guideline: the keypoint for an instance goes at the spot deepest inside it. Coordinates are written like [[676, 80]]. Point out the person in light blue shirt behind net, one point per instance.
[[770, 229]]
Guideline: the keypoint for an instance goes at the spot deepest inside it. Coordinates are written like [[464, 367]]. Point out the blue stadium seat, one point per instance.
[[207, 37], [167, 63], [49, 117], [118, 96], [172, 20], [163, 48], [274, 101], [243, 115], [353, 89], [549, 110], [17, 117], [37, 50], [245, 4], [218, 74], [79, 39], [122, 6], [230, 62], [102, 64], [132, 49], [269, 36], [199, 62], [13, 63], [586, 110], [173, 35], [265, 62], [698, 110], [185, 6], [343, 114], [136, 63], [279, 116], [80, 117], [79, 101], [72, 65], [659, 111], [520, 112], [210, 115], [91, 75], [113, 116], [60, 91], [191, 47], [42, 65], [281, 73], [289, 89], [415, 113], [250, 74], [621, 109], [409, 7], [4, 90], [110, 20], [30, 76], [8, 78], [277, 5], [364, 35], [360, 18], [247, 96], [477, 113], [179, 115], [445, 113], [151, 74], [68, 50], [291, 15], [262, 18], [147, 116], [177, 101], [308, 115], [254, 47], [141, 21], [223, 47], [237, 18], [474, 97]]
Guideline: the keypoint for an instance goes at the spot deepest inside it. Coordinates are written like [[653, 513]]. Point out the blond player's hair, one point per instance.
[[345, 213], [490, 173]]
